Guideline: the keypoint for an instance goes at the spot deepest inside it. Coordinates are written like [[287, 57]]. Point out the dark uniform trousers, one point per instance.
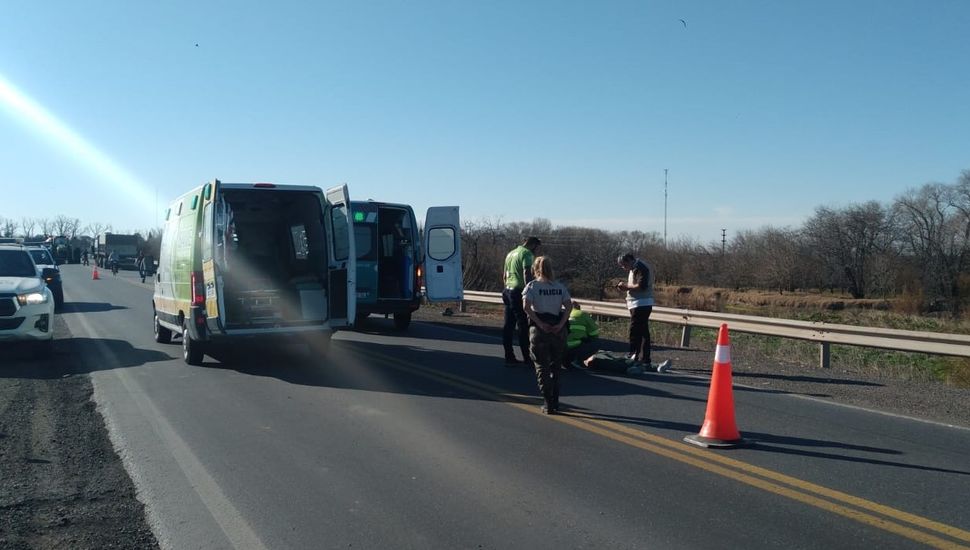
[[547, 351], [516, 321]]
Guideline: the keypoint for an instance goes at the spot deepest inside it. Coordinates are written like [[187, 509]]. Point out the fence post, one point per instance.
[[824, 355], [462, 306], [685, 337]]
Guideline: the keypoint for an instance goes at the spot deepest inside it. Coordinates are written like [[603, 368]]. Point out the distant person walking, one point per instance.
[[639, 300], [140, 263], [547, 303], [517, 273]]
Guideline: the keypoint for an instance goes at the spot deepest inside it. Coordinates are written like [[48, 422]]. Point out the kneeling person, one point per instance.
[[581, 341]]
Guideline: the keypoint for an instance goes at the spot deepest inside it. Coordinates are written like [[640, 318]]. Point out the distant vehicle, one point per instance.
[[26, 303], [124, 246], [254, 261], [394, 261], [61, 249], [43, 260]]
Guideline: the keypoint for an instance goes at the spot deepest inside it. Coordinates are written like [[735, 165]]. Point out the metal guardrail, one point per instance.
[[826, 334]]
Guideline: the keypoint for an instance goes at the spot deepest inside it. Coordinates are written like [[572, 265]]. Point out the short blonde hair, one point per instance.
[[542, 267]]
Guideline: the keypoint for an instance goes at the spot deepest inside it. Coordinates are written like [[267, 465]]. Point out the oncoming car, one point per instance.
[[43, 259], [26, 303]]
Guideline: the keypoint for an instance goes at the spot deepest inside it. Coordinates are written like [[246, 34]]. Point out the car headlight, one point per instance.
[[32, 298]]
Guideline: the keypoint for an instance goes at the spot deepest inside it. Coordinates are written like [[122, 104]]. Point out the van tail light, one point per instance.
[[420, 276], [198, 292]]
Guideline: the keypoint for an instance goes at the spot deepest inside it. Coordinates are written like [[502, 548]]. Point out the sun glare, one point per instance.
[[70, 143]]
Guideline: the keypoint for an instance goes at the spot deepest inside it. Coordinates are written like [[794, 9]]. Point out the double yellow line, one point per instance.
[[910, 526]]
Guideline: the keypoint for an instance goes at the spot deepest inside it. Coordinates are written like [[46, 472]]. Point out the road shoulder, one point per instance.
[[63, 485]]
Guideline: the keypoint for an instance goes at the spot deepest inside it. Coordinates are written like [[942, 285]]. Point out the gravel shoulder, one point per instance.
[[61, 483], [932, 401]]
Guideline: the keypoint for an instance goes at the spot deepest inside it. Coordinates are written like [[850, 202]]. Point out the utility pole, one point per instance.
[[665, 208], [723, 240]]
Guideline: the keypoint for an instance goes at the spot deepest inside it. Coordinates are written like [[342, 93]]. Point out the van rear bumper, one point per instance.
[[387, 306]]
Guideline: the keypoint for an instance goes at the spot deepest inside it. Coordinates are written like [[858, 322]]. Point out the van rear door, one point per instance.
[[442, 254], [343, 258]]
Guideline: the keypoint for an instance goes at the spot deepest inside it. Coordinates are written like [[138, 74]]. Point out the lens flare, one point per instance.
[[38, 119]]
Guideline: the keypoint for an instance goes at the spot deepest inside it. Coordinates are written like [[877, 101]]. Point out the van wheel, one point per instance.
[[402, 320], [191, 350], [162, 334]]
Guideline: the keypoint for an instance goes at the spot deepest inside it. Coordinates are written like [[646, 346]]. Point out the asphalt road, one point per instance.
[[423, 440]]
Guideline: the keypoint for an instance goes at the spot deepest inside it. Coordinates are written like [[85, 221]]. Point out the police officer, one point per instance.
[[547, 303], [518, 272]]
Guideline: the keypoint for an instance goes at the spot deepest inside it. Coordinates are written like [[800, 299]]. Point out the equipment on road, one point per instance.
[[719, 429], [394, 260], [254, 261]]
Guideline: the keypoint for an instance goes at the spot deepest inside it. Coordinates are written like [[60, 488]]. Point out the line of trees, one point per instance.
[[918, 247], [80, 234], [30, 228]]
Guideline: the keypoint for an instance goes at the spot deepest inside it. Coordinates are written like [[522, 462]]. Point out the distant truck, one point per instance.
[[125, 248], [61, 249]]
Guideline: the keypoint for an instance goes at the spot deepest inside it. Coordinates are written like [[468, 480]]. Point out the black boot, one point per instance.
[[547, 402]]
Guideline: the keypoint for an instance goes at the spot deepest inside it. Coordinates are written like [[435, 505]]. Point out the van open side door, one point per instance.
[[215, 219], [342, 294], [442, 254]]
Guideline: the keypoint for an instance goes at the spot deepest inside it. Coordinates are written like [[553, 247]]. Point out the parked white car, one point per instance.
[[26, 303], [43, 260]]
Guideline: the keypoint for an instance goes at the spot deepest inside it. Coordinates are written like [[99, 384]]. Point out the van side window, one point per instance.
[[441, 243], [223, 236], [207, 233], [341, 232], [300, 246]]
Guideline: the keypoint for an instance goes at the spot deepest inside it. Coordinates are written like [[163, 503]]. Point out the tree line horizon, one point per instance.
[[917, 246]]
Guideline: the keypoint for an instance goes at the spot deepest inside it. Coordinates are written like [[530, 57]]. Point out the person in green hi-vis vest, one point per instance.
[[517, 273]]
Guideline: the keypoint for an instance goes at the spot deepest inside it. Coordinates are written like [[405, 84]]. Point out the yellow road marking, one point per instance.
[[711, 462]]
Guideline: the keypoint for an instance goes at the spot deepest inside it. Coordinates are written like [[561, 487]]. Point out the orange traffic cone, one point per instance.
[[719, 429], [95, 275]]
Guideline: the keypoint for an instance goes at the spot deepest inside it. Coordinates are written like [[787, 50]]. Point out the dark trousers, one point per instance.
[[515, 321], [640, 333], [547, 352], [582, 351]]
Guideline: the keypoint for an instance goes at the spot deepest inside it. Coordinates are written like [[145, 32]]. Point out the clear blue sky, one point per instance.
[[570, 111]]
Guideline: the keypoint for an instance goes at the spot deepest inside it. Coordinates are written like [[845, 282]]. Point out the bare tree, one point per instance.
[[8, 227], [585, 259], [483, 249], [28, 225], [66, 225], [850, 243], [935, 227], [97, 228], [46, 226]]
